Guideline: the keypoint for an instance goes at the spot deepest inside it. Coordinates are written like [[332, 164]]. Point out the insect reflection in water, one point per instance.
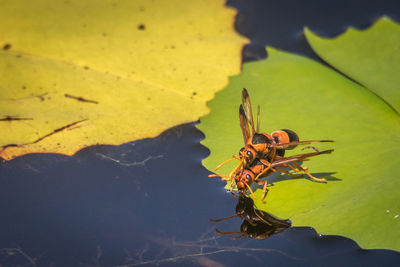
[[257, 224]]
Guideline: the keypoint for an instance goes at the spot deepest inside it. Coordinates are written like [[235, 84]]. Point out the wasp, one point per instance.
[[257, 224], [263, 154], [262, 168], [262, 145]]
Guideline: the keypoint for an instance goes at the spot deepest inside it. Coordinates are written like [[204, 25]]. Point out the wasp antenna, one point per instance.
[[226, 161], [218, 175], [236, 169]]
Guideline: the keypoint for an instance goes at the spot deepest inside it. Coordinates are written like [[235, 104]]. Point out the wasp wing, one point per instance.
[[244, 125], [281, 160], [296, 143], [247, 109]]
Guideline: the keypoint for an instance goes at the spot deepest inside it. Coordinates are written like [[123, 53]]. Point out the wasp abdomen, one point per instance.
[[293, 137], [285, 136]]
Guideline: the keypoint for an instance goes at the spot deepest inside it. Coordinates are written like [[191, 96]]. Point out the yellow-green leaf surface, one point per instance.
[[359, 54], [360, 199], [78, 73]]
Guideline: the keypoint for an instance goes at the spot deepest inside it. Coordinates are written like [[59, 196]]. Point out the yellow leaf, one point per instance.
[[78, 73]]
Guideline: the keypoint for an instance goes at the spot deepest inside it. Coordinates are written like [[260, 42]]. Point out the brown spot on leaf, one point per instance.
[[79, 98], [141, 27], [6, 46], [11, 118]]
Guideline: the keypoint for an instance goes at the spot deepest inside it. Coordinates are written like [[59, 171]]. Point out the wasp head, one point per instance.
[[248, 154], [242, 178]]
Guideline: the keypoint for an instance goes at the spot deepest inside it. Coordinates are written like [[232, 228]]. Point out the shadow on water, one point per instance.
[[280, 23], [146, 202]]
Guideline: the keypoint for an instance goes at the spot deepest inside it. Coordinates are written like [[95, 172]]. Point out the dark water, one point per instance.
[[149, 202]]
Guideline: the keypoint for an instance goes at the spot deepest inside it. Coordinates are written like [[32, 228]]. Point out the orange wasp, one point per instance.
[[262, 145], [262, 168], [262, 152]]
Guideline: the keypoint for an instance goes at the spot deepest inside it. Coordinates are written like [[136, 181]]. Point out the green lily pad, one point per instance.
[[360, 199], [370, 57]]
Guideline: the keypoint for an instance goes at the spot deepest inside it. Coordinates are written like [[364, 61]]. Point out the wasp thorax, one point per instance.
[[244, 176]]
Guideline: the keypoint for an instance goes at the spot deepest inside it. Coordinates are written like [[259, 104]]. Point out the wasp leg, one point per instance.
[[312, 147], [223, 219], [260, 216], [226, 233], [308, 174], [293, 168], [251, 191], [230, 233], [265, 170], [297, 175], [265, 190], [272, 154], [296, 169]]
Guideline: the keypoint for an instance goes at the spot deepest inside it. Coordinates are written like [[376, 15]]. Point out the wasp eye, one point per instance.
[[249, 154], [248, 176]]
